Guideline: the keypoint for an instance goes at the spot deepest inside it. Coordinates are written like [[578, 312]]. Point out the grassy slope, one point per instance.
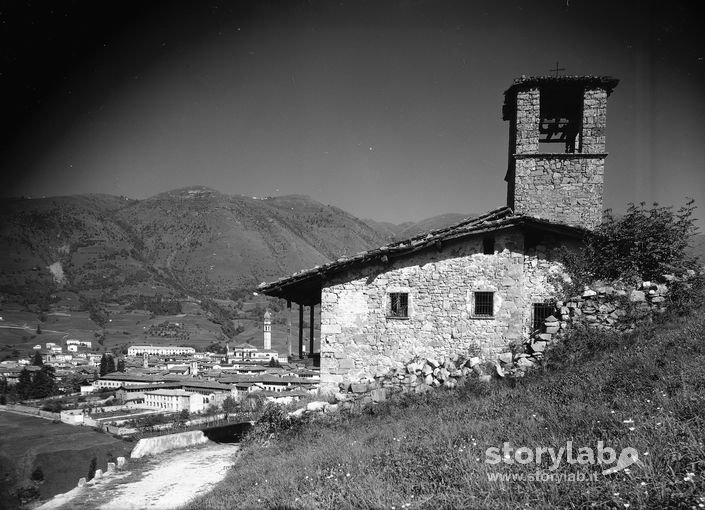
[[428, 451], [63, 452]]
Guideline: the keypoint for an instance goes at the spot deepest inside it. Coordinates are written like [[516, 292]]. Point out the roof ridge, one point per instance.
[[497, 219]]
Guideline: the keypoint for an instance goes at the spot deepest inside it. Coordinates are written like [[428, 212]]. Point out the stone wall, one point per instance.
[[613, 307], [159, 444], [359, 341], [594, 121], [528, 116], [564, 188], [33, 411]]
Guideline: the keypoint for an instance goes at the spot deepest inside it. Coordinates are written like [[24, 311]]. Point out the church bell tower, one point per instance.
[[267, 331], [557, 147]]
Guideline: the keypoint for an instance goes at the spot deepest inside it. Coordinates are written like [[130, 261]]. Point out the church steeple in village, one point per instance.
[[267, 330]]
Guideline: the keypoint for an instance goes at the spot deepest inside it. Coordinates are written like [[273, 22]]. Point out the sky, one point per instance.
[[390, 110]]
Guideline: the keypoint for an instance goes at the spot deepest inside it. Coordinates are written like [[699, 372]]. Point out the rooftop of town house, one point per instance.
[[305, 373], [245, 345], [207, 385], [175, 392], [126, 376], [305, 286], [298, 392], [245, 384], [253, 368], [143, 387], [265, 378]]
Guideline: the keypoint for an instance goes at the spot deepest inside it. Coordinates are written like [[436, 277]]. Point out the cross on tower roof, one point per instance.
[[557, 69]]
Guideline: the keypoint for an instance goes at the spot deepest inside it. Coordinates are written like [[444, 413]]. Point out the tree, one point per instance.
[[97, 313], [44, 382], [107, 364], [642, 244], [230, 405], [103, 365], [73, 382], [37, 360], [121, 365], [110, 366], [91, 469], [24, 384], [182, 417], [39, 329]]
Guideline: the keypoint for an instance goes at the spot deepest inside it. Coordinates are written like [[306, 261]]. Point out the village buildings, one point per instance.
[[160, 350], [478, 286]]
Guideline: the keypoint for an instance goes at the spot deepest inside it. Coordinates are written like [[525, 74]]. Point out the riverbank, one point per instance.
[[167, 481]]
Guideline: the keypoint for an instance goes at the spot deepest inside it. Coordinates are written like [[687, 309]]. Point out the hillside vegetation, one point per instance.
[[410, 229], [192, 240], [645, 391]]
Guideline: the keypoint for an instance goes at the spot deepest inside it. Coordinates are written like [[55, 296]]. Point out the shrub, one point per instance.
[[644, 244], [274, 419], [54, 406], [38, 474], [27, 494]]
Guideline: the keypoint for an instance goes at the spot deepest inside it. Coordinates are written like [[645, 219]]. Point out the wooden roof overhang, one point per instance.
[[304, 287]]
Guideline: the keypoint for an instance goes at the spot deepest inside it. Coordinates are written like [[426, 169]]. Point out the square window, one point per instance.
[[484, 304], [398, 304], [541, 312]]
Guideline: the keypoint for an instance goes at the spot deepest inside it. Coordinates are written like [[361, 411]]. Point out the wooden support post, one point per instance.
[[310, 330], [288, 333], [301, 331]]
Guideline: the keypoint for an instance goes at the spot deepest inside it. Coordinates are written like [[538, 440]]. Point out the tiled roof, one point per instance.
[[498, 219], [606, 82]]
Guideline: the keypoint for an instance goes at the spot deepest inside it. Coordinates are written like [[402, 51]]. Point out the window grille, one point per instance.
[[398, 304], [541, 312], [484, 304]]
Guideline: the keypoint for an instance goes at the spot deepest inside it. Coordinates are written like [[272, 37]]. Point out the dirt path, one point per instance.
[[166, 482]]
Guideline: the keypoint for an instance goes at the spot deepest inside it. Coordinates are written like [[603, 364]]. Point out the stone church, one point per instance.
[[486, 282]]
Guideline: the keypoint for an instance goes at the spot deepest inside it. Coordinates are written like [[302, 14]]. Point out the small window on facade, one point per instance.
[[398, 304], [540, 313], [484, 304], [488, 245]]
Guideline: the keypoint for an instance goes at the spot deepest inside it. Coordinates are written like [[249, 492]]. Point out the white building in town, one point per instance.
[[160, 350], [176, 400], [78, 343]]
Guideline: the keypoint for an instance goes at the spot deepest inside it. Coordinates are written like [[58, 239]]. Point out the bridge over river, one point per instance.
[[229, 433]]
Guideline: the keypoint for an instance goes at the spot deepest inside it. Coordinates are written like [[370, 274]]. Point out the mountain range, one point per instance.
[[187, 241]]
